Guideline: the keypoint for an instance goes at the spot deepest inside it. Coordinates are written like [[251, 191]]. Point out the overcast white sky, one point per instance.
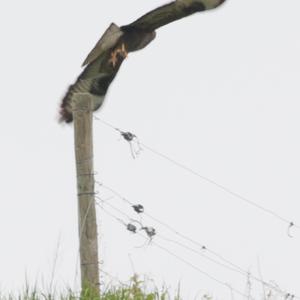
[[218, 91]]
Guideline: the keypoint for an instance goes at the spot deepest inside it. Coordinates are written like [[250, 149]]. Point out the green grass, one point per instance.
[[136, 289]]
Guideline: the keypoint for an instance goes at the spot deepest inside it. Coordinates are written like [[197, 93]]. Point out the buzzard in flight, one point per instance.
[[105, 59]]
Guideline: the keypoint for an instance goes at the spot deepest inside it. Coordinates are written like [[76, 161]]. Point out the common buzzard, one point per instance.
[[103, 62]]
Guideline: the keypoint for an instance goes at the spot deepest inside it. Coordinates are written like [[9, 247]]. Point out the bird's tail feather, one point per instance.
[[65, 112]]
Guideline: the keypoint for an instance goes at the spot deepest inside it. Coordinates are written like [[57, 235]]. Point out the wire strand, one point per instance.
[[210, 181], [206, 274], [230, 265], [199, 270]]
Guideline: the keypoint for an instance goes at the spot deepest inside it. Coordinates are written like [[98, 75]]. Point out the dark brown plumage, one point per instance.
[[103, 62]]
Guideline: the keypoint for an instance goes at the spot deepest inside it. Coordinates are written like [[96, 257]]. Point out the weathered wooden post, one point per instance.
[[88, 242]]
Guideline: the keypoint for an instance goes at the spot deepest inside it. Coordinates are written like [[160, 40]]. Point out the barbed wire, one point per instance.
[[175, 231], [133, 137], [208, 275], [229, 265], [177, 256], [202, 246], [149, 230], [129, 137], [201, 271], [236, 268]]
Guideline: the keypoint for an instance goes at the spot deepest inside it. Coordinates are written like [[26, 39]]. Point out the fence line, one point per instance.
[[130, 137], [234, 268]]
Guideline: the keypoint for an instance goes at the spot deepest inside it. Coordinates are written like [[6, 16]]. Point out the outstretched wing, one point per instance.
[[172, 12], [103, 62], [106, 42]]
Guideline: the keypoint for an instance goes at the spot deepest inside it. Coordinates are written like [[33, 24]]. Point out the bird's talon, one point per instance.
[[114, 55]]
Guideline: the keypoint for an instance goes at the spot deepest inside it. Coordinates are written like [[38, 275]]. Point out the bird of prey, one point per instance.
[[103, 62]]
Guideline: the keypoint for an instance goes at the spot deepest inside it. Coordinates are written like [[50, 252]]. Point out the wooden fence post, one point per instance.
[[88, 237]]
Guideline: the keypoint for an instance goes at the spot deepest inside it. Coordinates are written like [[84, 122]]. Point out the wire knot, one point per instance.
[[138, 208]]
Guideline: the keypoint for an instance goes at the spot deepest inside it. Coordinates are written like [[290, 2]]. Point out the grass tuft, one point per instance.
[[136, 289]]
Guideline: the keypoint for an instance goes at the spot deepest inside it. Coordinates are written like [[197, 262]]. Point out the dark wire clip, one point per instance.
[[138, 208], [150, 231], [289, 229], [133, 141], [128, 136], [131, 227]]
